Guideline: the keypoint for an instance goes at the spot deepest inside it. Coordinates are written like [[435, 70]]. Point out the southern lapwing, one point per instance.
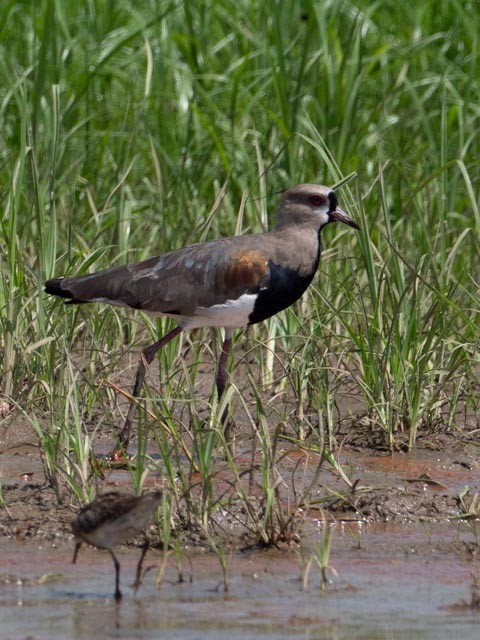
[[230, 283], [112, 518]]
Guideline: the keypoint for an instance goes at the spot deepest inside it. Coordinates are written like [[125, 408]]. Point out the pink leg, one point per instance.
[[146, 358], [138, 575], [222, 376]]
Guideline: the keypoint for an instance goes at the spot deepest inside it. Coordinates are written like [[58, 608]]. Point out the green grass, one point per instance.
[[128, 129]]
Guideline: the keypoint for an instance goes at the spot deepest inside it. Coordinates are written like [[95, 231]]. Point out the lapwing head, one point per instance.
[[313, 205]]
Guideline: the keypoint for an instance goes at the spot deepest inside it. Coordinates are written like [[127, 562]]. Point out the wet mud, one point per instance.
[[385, 581], [404, 560]]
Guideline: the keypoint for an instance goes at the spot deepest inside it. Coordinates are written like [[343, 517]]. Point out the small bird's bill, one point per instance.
[[340, 216]]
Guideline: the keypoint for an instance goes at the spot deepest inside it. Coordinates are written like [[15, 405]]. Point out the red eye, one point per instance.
[[317, 201]]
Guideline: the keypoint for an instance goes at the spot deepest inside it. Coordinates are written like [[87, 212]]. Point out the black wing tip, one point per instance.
[[54, 288]]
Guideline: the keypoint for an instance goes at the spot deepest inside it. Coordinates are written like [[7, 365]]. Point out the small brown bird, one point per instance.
[[230, 283], [112, 518]]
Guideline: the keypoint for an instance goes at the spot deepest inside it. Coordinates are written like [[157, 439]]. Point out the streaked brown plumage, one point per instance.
[[111, 519]]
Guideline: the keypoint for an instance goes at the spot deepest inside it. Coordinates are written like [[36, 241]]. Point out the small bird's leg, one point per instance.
[[118, 593], [138, 575], [146, 358], [221, 379], [76, 550]]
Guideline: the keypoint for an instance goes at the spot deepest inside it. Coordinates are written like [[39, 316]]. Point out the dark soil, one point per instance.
[[421, 486], [385, 483]]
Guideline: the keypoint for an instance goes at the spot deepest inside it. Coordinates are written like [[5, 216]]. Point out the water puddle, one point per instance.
[[387, 581]]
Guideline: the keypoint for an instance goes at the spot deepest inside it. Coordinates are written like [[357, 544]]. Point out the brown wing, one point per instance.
[[109, 506], [177, 282]]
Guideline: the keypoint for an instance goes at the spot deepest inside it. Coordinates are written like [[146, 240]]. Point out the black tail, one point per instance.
[[110, 285], [54, 288]]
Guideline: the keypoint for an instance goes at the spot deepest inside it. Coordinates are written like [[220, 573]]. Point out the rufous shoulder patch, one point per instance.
[[246, 270]]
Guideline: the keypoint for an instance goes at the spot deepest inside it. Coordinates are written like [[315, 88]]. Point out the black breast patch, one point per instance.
[[285, 287]]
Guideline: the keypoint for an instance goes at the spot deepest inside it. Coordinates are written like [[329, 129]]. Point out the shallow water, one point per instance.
[[387, 582]]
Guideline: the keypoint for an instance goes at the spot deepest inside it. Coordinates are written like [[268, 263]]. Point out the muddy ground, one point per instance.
[[404, 559], [439, 481]]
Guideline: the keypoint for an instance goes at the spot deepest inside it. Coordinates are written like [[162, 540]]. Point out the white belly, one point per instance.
[[232, 314]]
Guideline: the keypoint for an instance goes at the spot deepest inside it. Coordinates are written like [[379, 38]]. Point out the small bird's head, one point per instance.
[[311, 203]]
